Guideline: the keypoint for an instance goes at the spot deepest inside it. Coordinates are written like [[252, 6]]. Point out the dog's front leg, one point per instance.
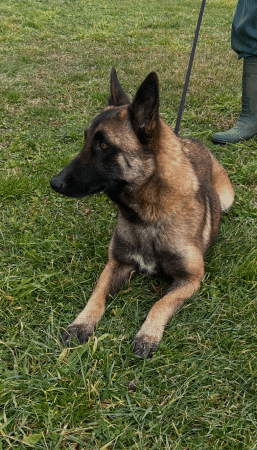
[[150, 334], [112, 278]]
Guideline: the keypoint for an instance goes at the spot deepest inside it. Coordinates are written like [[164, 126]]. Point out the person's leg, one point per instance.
[[244, 29], [244, 42]]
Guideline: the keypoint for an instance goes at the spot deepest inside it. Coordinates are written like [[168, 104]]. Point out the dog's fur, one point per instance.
[[170, 193]]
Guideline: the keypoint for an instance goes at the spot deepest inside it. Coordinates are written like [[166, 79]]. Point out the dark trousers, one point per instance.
[[244, 29]]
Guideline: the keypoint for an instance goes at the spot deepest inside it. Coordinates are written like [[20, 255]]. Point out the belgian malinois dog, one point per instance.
[[170, 193]]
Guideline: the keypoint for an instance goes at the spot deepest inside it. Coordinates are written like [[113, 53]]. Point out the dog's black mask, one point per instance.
[[77, 180]]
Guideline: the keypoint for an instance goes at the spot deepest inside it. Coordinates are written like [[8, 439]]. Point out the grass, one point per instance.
[[199, 389]]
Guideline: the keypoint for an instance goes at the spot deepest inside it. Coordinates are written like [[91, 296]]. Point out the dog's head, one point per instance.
[[117, 152]]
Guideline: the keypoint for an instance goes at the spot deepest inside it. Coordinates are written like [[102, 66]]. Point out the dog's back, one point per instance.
[[203, 161]]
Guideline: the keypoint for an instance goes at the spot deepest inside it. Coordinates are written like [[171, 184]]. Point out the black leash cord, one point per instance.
[[183, 97]]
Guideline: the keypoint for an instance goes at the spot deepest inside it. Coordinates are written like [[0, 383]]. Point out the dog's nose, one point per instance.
[[56, 184]]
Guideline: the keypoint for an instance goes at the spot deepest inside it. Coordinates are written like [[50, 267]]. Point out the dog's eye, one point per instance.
[[103, 146]]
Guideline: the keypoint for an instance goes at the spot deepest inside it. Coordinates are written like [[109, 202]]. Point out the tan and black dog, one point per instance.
[[170, 193]]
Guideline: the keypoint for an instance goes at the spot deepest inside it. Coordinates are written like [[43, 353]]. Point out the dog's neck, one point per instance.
[[167, 189], [170, 186]]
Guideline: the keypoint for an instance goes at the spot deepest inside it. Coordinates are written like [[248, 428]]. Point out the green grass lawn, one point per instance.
[[199, 389]]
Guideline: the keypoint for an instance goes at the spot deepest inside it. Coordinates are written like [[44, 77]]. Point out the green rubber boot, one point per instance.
[[246, 125]]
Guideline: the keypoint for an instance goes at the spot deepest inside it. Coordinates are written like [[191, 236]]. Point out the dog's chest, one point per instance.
[[145, 247], [137, 247], [143, 263]]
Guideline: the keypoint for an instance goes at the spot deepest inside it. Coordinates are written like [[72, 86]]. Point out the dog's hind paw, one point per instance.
[[144, 348], [76, 334]]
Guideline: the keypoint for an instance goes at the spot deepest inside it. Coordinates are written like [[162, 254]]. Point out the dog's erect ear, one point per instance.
[[118, 96], [145, 107]]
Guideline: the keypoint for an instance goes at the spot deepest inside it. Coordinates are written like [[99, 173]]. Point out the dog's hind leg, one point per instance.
[[222, 185], [112, 278], [150, 334]]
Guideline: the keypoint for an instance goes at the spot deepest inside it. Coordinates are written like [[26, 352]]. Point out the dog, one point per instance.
[[170, 193]]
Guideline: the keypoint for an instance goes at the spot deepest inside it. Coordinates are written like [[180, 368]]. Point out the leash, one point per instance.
[[183, 97]]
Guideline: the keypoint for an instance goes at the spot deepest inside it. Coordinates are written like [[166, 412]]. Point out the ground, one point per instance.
[[199, 389]]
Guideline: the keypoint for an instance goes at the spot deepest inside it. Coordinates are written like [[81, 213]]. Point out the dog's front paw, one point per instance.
[[143, 346], [79, 334]]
